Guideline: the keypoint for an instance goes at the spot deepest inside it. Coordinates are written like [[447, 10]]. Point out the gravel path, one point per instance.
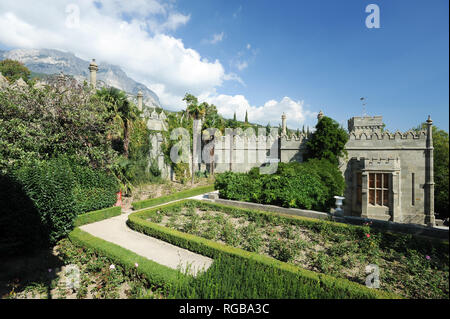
[[116, 231]]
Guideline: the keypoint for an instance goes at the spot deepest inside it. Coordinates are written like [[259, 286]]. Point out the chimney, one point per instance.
[[283, 124], [93, 68], [139, 100]]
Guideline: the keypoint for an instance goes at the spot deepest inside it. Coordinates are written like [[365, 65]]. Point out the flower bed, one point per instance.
[[412, 267], [237, 273]]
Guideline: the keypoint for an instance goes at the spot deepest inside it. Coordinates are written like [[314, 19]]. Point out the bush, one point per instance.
[[309, 185], [42, 199], [49, 186]]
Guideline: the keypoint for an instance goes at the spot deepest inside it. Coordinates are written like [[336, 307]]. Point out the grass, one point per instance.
[[165, 199], [411, 266]]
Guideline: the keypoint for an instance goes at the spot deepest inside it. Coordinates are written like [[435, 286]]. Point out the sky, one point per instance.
[[264, 57]]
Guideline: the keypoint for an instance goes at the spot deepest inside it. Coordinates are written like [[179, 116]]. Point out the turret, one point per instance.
[[429, 176], [93, 68], [139, 100], [283, 124]]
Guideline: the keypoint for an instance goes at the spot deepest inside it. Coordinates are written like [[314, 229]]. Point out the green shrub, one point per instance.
[[95, 216], [309, 185], [49, 185], [46, 196]]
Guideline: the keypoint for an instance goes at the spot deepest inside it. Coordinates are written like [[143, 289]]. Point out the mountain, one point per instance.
[[48, 61]]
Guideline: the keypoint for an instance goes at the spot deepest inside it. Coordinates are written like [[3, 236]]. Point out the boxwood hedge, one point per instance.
[[249, 275]]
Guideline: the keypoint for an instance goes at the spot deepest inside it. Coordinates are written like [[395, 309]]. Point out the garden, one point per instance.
[[412, 267]]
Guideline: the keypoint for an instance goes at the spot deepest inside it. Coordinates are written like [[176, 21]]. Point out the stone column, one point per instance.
[[394, 185], [429, 176], [93, 68], [139, 100], [283, 124], [364, 194]]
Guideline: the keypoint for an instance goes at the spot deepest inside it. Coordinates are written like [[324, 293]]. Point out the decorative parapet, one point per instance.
[[380, 163], [389, 136]]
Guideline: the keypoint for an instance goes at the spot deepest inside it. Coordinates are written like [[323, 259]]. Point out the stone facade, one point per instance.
[[389, 176]]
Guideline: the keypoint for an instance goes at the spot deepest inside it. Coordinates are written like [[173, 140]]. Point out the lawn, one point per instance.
[[409, 266]]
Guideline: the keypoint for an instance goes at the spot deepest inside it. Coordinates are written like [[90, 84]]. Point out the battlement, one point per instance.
[[412, 135], [365, 124]]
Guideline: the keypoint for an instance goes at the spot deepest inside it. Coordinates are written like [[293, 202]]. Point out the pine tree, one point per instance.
[[246, 117], [303, 129], [234, 116], [268, 129]]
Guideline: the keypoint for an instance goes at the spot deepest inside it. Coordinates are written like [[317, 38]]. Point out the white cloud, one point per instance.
[[237, 12], [248, 46], [296, 112], [156, 59], [241, 65], [139, 44], [216, 38]]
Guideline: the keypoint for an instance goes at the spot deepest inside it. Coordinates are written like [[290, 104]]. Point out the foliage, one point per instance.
[[98, 215], [125, 112], [328, 141], [57, 120], [309, 185], [54, 192], [331, 178], [240, 274], [13, 70], [411, 265], [441, 171]]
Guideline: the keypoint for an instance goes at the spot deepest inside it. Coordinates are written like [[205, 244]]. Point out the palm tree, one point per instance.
[[123, 110], [196, 111]]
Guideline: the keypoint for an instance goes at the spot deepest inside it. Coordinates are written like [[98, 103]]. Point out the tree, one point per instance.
[[13, 70], [328, 141], [41, 124], [268, 129], [196, 111], [125, 111], [246, 117], [234, 117]]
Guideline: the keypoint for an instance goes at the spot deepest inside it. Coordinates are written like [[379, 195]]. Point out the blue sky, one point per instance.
[[270, 57], [322, 53]]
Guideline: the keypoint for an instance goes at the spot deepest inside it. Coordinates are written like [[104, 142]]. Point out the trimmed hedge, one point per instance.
[[165, 199], [155, 273], [308, 283], [97, 215]]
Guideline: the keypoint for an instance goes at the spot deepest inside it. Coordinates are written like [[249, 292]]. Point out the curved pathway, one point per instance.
[[116, 231]]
